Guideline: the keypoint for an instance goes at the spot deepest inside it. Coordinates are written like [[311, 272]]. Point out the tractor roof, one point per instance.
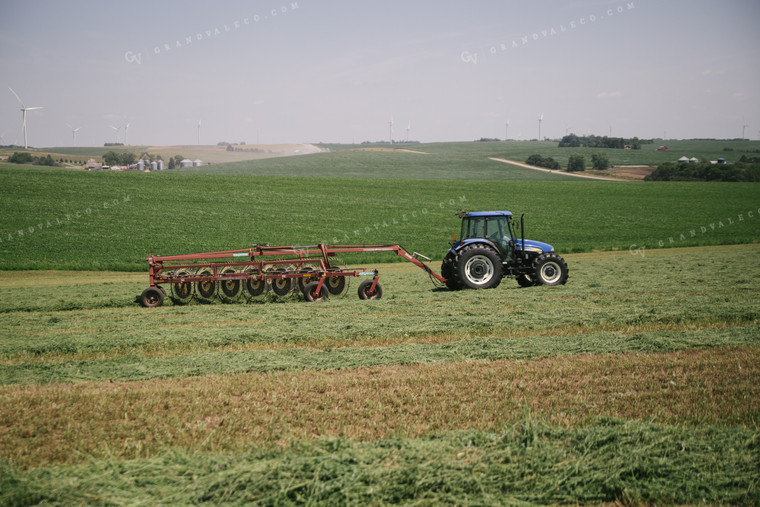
[[489, 214]]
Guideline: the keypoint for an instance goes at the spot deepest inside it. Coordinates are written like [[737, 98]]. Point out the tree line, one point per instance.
[[747, 169], [574, 141]]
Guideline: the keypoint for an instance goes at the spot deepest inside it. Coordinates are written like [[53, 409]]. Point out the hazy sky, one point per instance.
[[338, 71]]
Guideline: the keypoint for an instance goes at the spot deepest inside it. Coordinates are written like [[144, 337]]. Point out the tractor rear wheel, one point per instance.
[[478, 267], [549, 269], [449, 272]]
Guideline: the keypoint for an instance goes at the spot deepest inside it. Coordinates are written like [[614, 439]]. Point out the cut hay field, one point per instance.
[[634, 383], [654, 356]]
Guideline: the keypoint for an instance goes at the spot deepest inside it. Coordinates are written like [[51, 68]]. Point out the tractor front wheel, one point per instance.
[[478, 267], [549, 269]]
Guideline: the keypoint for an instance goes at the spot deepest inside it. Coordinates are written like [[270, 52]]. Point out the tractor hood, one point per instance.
[[534, 246]]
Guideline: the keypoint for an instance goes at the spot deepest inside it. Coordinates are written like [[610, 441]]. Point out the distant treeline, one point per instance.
[[747, 169], [574, 141], [28, 158]]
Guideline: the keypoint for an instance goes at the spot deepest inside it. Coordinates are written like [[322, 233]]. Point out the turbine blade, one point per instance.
[[16, 95]]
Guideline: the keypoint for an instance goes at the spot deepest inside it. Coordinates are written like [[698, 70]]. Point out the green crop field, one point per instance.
[[636, 382], [57, 219]]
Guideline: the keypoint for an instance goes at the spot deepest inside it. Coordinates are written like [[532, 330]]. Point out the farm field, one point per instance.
[[636, 382], [58, 219], [450, 393]]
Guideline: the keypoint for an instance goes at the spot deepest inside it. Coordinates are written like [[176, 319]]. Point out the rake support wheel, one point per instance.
[[205, 290], [254, 287], [182, 292], [230, 290]]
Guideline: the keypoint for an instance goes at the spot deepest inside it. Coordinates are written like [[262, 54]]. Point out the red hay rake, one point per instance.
[[254, 271]]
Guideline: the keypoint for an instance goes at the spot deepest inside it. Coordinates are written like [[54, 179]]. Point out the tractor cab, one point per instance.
[[495, 226]]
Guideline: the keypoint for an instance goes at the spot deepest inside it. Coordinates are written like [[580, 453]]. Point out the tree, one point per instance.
[[21, 158], [539, 161], [570, 141], [128, 158], [172, 165], [600, 161], [577, 162], [111, 158], [636, 143]]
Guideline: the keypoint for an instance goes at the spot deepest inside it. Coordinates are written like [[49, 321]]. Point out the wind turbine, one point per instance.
[[126, 127], [540, 119], [199, 132], [390, 127], [506, 131], [408, 128], [24, 109], [74, 133], [117, 133], [744, 126]]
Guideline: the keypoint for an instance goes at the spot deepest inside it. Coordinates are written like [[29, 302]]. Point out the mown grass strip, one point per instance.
[[133, 367], [528, 462], [65, 423]]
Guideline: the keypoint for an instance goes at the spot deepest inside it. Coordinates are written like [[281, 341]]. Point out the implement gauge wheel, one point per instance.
[[152, 297], [311, 294], [364, 290]]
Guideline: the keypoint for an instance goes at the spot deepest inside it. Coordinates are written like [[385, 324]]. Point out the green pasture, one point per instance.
[[59, 219]]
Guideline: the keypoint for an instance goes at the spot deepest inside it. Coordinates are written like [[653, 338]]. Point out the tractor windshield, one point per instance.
[[493, 228]]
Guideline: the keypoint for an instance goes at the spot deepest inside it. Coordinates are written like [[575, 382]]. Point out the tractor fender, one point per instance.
[[456, 247]]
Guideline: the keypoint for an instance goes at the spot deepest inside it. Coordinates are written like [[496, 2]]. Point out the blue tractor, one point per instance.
[[488, 249]]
